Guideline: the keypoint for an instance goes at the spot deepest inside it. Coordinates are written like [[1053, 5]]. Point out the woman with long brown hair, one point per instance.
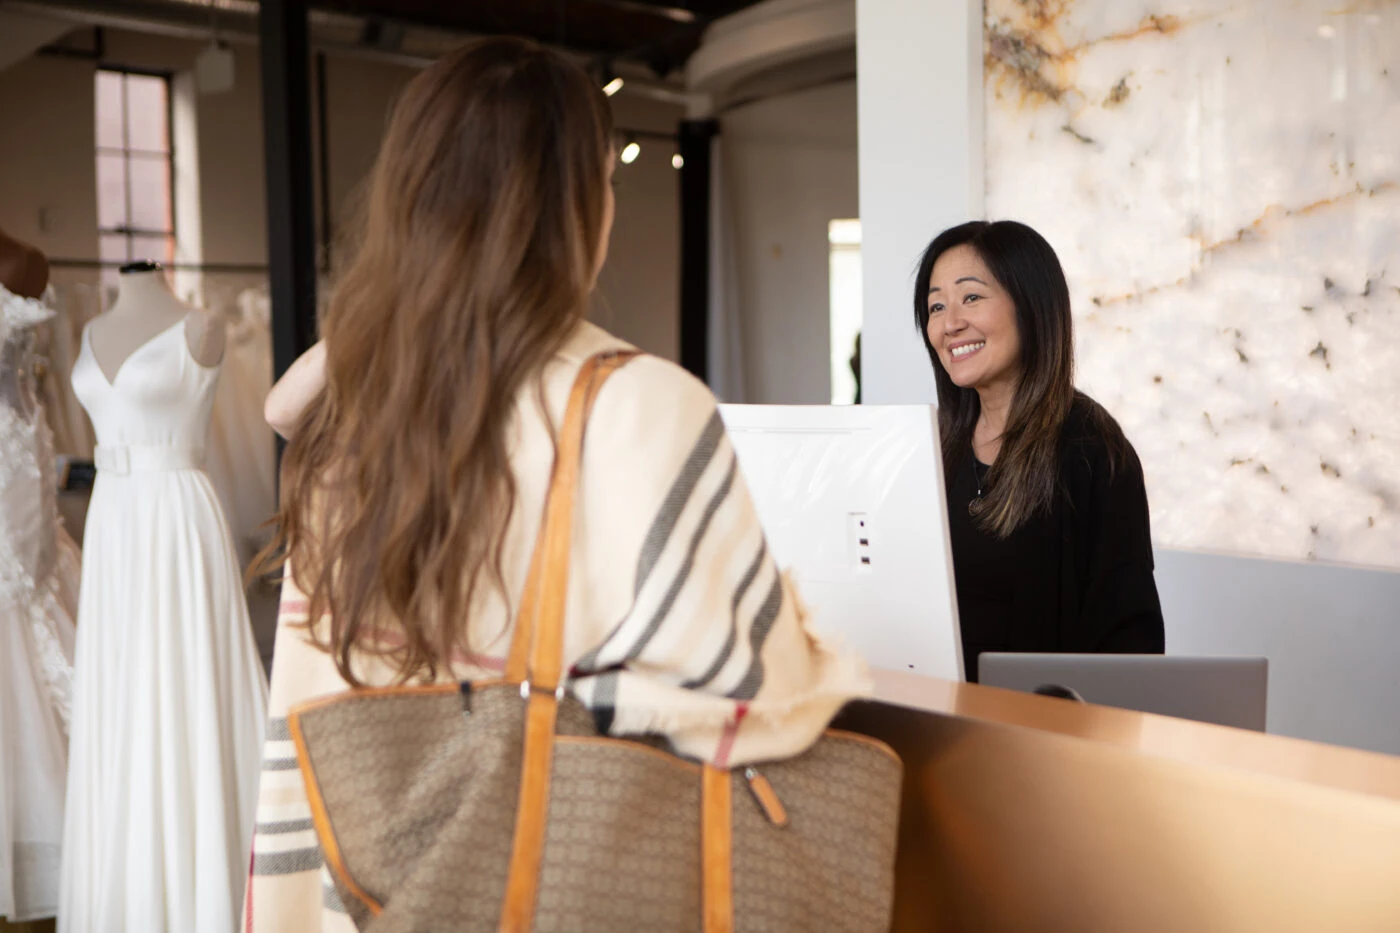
[[1047, 508], [416, 476]]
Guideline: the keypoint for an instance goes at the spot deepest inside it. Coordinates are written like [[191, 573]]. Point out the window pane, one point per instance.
[[146, 114], [111, 190], [156, 248], [150, 193], [112, 248], [109, 109]]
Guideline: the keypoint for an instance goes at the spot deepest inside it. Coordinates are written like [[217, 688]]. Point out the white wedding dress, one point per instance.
[[170, 695], [38, 597]]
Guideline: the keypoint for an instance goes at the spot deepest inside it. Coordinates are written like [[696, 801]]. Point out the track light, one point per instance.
[[630, 152], [677, 161], [610, 81]]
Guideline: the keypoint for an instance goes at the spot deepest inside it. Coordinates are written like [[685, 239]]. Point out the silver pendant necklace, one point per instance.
[[975, 505]]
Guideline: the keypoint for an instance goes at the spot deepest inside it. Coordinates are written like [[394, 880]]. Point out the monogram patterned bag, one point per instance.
[[496, 805]]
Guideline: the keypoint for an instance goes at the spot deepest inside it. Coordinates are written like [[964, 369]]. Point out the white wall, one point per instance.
[[47, 165], [1331, 634], [639, 287], [791, 166], [920, 67], [360, 95]]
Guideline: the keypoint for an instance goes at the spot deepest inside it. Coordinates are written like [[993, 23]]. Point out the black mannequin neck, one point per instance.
[[140, 265]]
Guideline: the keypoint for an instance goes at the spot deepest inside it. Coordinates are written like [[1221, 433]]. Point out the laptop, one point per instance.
[[1225, 691]]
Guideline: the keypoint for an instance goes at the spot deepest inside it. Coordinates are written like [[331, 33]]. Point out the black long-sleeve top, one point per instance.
[[1074, 578]]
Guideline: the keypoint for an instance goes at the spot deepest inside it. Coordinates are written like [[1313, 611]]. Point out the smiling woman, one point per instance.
[[1047, 508]]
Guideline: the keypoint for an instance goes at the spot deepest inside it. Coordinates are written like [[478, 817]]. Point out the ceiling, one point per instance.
[[660, 34]]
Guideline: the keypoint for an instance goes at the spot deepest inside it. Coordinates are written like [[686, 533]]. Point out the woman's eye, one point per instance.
[[935, 308], [970, 299]]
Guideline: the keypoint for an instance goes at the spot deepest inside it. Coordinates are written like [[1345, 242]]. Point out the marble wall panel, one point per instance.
[[1222, 183]]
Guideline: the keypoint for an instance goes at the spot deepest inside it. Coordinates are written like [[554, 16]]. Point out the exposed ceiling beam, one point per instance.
[[334, 33]]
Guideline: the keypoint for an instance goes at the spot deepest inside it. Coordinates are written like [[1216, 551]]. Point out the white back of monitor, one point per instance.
[[851, 498]]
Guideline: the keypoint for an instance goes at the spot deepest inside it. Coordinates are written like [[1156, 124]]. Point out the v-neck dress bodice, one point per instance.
[[159, 397], [170, 693]]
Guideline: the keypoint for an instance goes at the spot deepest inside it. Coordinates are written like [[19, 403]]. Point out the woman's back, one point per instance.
[[678, 621]]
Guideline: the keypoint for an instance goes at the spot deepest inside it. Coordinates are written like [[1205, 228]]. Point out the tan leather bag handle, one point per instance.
[[536, 654], [556, 521], [539, 635]]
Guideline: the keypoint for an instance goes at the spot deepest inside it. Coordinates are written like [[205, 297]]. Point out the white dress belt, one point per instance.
[[125, 459]]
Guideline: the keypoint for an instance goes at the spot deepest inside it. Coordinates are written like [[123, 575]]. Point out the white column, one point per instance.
[[919, 66]]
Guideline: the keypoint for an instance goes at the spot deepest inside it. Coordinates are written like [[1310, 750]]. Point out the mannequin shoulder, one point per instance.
[[206, 334]]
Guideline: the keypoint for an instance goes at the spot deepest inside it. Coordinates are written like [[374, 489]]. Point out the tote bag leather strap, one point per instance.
[[535, 662], [539, 637], [546, 657], [559, 503]]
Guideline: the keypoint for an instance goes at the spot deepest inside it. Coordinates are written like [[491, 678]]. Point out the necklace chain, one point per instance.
[[976, 503]]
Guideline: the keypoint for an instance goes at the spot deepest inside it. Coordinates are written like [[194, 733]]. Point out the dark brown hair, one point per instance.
[[478, 252], [1025, 477]]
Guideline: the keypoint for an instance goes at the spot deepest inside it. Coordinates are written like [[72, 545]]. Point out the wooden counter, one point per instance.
[[1026, 813]]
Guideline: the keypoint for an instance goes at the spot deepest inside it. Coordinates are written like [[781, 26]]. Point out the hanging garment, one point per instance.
[[242, 455], [74, 305], [169, 692], [38, 598]]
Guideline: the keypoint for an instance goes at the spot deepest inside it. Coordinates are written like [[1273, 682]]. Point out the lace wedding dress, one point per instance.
[[38, 600]]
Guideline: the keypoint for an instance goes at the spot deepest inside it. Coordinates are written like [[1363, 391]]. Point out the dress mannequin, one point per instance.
[[169, 697], [145, 308]]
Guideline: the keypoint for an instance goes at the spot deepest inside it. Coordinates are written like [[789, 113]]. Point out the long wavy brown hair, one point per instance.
[[478, 252]]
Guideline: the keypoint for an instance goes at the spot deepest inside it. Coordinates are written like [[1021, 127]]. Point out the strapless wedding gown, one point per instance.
[[169, 695], [38, 598]]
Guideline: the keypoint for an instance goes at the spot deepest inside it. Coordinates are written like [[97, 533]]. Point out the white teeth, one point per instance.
[[965, 349]]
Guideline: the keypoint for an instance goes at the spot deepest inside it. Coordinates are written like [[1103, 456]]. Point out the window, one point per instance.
[[135, 212], [844, 239]]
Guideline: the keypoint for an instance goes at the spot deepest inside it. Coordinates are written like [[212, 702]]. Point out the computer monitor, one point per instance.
[[1225, 691], [851, 498]]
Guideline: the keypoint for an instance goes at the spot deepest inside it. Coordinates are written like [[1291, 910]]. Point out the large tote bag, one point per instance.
[[496, 805]]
